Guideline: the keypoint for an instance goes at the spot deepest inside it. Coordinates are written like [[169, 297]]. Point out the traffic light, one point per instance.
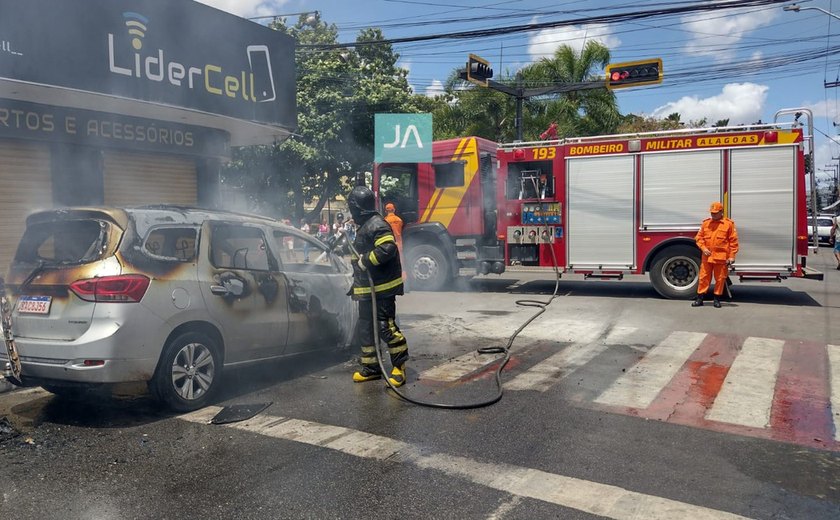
[[478, 70], [634, 73]]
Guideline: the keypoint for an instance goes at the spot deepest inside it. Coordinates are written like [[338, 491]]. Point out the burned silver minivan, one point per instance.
[[170, 296]]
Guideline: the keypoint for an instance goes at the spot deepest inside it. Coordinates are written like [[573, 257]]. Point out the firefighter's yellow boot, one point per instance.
[[397, 375], [366, 373]]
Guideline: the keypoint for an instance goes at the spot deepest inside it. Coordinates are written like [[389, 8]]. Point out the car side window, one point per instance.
[[238, 247], [176, 244], [298, 254]]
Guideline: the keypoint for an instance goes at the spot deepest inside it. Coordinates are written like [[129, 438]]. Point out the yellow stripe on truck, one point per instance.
[[435, 198], [451, 198]]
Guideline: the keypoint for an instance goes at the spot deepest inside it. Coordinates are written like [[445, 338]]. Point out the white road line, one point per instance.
[[747, 393], [642, 383], [620, 335], [834, 375], [458, 367], [555, 367], [584, 495]]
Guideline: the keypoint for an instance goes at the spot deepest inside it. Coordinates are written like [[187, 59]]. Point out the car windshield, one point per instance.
[[62, 242]]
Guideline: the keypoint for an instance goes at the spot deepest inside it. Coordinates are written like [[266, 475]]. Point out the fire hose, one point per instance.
[[505, 350]]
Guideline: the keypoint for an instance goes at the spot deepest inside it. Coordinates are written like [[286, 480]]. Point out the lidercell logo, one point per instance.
[[255, 85]]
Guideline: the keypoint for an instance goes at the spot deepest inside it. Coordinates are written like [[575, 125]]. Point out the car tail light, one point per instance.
[[114, 289]]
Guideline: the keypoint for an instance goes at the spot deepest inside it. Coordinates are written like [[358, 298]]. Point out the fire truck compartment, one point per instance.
[[762, 187], [600, 206]]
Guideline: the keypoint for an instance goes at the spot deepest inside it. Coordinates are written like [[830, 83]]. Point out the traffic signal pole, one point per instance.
[[521, 94], [619, 75]]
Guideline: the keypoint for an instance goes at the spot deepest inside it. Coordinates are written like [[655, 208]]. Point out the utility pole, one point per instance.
[[796, 8]]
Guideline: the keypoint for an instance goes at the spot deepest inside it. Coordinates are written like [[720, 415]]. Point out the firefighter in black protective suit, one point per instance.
[[378, 254]]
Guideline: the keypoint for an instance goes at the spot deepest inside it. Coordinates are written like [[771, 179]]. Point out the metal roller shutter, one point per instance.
[[133, 179], [761, 197], [677, 188], [600, 223], [25, 186]]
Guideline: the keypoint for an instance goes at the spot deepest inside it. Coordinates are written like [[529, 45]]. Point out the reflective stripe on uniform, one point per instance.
[[379, 288], [372, 258], [381, 240], [369, 360], [396, 350], [368, 350]]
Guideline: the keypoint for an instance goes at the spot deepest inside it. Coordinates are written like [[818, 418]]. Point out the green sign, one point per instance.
[[403, 138]]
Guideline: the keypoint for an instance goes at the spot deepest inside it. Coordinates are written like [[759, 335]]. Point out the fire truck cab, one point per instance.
[[605, 206], [448, 209]]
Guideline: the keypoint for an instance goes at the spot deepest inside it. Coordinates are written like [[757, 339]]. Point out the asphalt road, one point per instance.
[[617, 404]]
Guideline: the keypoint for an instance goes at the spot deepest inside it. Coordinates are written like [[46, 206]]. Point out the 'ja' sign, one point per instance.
[[403, 138]]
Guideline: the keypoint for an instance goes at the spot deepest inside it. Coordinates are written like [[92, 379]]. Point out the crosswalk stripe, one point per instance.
[[583, 495], [458, 367], [834, 378], [556, 367], [747, 394], [642, 383]]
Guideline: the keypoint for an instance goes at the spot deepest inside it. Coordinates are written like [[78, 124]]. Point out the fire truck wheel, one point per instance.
[[428, 268], [675, 271]]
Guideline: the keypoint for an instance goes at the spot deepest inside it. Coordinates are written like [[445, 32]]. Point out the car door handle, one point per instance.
[[219, 290]]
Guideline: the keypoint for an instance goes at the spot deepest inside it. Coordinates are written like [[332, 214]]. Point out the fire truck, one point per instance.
[[606, 206]]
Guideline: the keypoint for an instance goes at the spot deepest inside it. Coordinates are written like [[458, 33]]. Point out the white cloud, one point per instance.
[[542, 44], [435, 89], [712, 31], [741, 103], [248, 8]]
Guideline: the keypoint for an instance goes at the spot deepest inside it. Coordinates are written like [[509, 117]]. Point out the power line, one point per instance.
[[598, 19]]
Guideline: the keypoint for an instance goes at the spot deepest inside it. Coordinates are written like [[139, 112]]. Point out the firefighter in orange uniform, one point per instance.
[[396, 224], [718, 241]]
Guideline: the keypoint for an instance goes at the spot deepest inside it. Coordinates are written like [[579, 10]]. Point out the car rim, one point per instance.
[[679, 273], [192, 371], [425, 268]]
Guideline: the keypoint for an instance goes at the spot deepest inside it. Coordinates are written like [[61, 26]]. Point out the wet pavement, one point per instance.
[[558, 445]]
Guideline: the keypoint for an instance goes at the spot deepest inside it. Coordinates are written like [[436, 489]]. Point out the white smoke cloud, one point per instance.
[[711, 31], [248, 8], [542, 44], [435, 89], [741, 103]]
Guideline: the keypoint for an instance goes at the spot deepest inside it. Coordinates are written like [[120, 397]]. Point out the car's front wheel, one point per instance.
[[188, 373]]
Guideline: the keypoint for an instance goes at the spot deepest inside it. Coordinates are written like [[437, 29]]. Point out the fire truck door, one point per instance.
[[600, 220], [762, 200]]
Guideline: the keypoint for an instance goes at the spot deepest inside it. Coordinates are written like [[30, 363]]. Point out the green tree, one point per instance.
[[338, 93], [475, 110], [577, 113]]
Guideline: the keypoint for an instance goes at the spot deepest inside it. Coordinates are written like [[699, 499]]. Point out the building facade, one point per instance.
[[130, 102]]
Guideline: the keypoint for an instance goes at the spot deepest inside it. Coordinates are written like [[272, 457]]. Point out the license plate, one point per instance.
[[34, 304]]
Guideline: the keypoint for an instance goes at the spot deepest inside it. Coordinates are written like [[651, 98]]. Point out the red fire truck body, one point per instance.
[[606, 206]]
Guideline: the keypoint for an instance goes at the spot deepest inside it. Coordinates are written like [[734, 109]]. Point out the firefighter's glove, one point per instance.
[[361, 265]]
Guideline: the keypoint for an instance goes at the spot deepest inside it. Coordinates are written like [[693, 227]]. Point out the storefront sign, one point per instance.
[[184, 54], [19, 120]]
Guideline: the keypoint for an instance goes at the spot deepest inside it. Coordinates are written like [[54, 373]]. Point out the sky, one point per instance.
[[717, 64]]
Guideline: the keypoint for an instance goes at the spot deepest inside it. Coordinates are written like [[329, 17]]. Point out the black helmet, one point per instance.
[[361, 203], [339, 215]]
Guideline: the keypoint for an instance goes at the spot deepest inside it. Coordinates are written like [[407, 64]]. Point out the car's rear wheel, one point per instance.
[[188, 373]]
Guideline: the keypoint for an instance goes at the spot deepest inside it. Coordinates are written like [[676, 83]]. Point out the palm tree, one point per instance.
[[577, 113]]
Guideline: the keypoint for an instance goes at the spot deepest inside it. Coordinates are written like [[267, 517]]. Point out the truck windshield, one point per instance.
[[398, 185], [62, 242]]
